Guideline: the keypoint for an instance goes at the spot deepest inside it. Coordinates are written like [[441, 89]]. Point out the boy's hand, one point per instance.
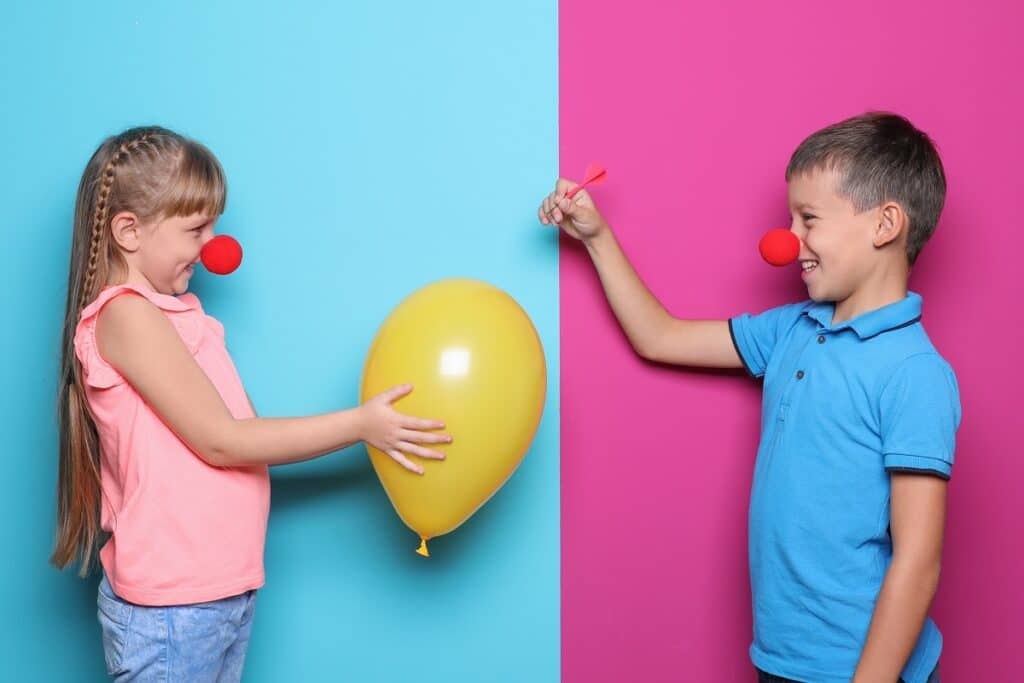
[[396, 434], [578, 216]]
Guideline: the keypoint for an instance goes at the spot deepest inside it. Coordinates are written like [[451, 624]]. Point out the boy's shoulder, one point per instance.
[[779, 318], [889, 337], [907, 343], [916, 360], [903, 361]]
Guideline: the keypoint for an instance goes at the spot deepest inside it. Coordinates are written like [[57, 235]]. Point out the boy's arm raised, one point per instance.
[[654, 333]]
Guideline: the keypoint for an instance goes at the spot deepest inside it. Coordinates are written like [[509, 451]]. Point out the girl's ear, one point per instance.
[[125, 229]]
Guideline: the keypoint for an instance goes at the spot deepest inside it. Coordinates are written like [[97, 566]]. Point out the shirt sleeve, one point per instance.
[[756, 336], [919, 416]]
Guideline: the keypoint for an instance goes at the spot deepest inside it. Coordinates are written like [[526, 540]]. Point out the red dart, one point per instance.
[[594, 175], [779, 247], [221, 255]]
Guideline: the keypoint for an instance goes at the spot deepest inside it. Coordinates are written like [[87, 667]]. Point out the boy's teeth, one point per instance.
[[809, 265]]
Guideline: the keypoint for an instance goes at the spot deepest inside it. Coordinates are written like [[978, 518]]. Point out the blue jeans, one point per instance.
[[765, 677], [199, 643]]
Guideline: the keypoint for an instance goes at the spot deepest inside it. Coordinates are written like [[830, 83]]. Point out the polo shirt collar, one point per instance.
[[905, 312]]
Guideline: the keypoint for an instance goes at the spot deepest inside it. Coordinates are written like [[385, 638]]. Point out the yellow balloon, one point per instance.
[[476, 363]]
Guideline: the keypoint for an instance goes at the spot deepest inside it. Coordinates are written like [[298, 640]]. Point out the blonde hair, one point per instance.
[[155, 174]]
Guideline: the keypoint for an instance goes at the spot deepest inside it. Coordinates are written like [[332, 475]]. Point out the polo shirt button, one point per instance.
[[799, 374], [821, 339]]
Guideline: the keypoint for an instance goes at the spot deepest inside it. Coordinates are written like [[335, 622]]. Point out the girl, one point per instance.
[[159, 444]]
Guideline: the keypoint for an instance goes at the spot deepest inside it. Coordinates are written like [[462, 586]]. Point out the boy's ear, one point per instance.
[[124, 228], [892, 223]]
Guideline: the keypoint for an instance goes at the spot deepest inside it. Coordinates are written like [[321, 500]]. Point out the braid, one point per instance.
[[150, 172], [102, 211]]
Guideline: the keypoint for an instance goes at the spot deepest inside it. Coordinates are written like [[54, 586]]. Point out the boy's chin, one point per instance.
[[818, 296]]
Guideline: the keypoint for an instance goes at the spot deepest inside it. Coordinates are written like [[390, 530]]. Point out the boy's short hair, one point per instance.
[[880, 157]]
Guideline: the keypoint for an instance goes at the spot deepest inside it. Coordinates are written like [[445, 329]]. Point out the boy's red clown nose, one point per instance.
[[779, 247], [221, 255]]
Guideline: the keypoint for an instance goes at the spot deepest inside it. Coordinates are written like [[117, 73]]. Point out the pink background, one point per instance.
[[695, 108]]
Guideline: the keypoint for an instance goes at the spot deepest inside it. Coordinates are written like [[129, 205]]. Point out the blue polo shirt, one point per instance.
[[844, 405]]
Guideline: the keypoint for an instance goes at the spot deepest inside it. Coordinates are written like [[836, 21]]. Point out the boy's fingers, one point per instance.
[[563, 186], [569, 207], [582, 197], [580, 200]]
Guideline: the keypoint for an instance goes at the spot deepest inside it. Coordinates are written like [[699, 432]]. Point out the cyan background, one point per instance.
[[370, 148]]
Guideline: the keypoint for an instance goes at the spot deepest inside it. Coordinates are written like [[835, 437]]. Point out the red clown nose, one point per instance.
[[221, 255], [779, 247]]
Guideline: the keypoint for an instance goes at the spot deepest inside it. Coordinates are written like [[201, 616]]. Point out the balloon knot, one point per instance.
[[422, 550]]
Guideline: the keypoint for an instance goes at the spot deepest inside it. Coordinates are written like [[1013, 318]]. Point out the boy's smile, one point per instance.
[[839, 251]]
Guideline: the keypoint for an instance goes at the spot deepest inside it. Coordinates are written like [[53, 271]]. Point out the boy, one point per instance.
[[860, 411]]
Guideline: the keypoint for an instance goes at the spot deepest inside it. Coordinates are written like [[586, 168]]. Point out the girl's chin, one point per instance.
[[186, 276], [180, 286]]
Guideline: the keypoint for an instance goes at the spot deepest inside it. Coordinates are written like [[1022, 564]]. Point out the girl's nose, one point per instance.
[[221, 254]]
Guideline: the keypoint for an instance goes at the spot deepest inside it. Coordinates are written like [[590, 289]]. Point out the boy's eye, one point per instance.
[[808, 217]]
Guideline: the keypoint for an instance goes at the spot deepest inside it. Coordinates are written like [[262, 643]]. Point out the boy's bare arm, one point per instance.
[[917, 518], [653, 332]]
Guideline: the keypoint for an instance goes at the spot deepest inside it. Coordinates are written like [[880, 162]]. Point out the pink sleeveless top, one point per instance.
[[182, 531]]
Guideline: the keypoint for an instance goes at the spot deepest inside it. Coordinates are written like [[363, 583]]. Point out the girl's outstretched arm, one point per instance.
[[138, 340]]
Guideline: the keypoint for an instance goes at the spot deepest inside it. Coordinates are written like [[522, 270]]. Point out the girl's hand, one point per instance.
[[396, 434], [578, 216]]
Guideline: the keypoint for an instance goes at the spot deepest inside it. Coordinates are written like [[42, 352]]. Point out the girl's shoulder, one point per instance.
[[185, 312], [166, 302]]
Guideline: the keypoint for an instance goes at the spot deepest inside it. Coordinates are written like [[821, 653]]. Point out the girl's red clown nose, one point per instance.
[[221, 255]]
